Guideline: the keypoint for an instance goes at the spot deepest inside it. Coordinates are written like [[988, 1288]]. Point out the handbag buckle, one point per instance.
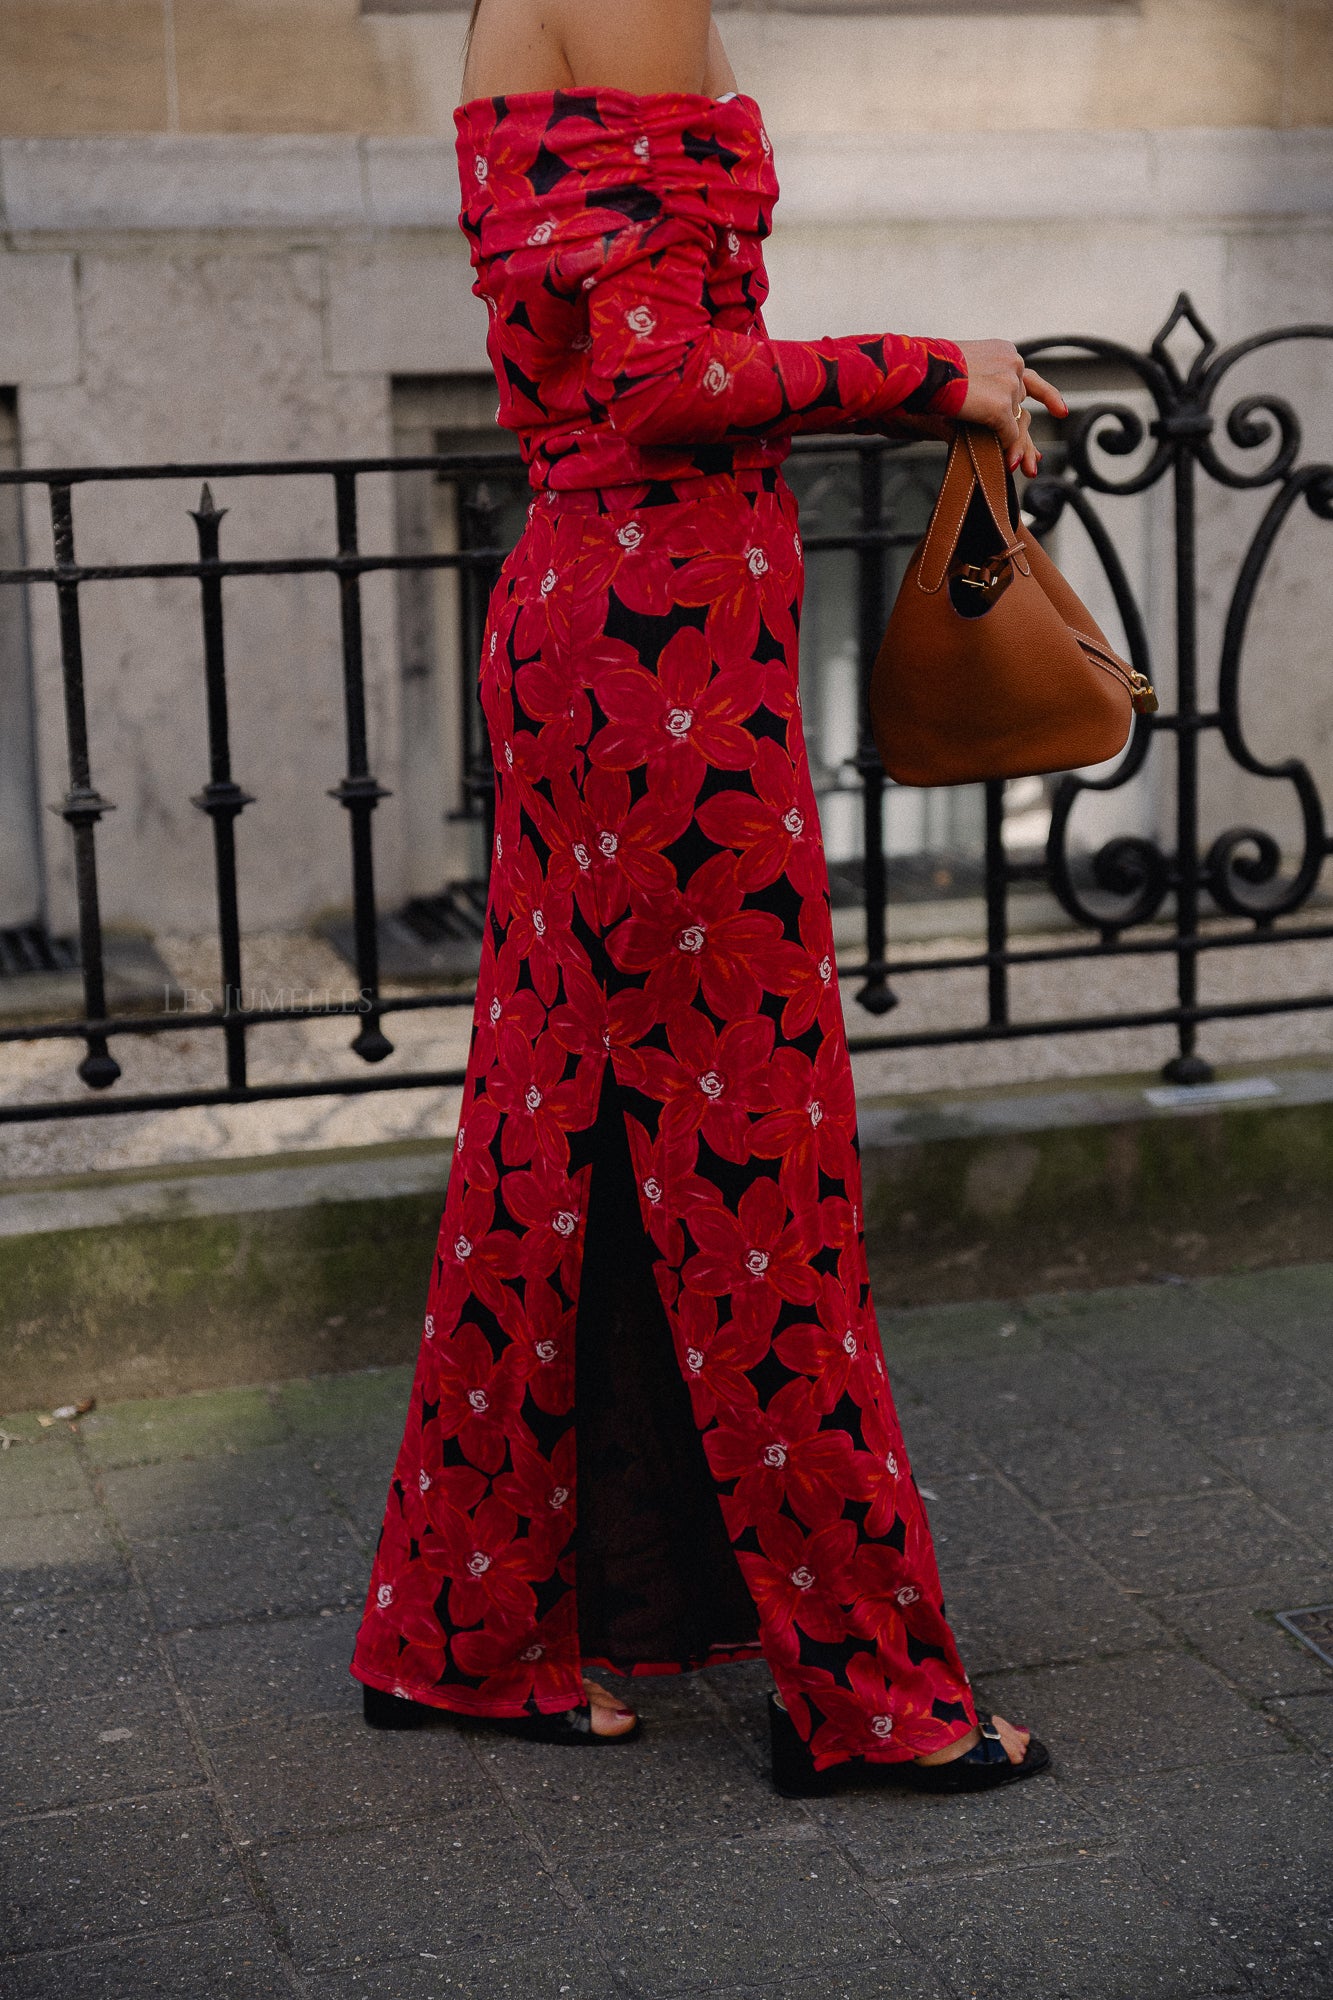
[[993, 576]]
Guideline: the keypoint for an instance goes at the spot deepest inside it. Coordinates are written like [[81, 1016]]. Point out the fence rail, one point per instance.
[[1110, 895]]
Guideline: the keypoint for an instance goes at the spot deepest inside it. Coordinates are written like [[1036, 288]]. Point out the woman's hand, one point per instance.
[[997, 382]]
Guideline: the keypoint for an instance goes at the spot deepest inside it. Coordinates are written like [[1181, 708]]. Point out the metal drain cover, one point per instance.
[[1313, 1627]]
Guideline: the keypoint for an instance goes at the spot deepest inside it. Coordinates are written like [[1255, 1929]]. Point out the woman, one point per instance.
[[654, 1214]]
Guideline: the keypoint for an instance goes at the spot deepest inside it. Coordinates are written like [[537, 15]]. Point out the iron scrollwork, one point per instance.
[[1129, 878]]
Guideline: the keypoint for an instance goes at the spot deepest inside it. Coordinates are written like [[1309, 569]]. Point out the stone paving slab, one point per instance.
[[230, 1959], [1125, 1487]]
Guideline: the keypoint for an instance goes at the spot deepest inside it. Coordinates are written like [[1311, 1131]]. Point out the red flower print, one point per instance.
[[749, 572], [700, 938], [759, 1257], [716, 1360], [862, 1718], [885, 1472], [438, 1498], [624, 838], [542, 1332], [709, 1083], [799, 1582], [664, 1171], [887, 1591], [541, 1491], [773, 832], [644, 578], [477, 1127], [815, 1130], [808, 975], [478, 1396], [516, 1667], [471, 1256], [539, 928], [553, 698], [780, 1453], [677, 721], [550, 1207], [538, 1105], [491, 1570], [830, 1350], [499, 997]]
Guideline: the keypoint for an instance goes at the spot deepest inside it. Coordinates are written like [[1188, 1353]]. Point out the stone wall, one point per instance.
[[392, 66]]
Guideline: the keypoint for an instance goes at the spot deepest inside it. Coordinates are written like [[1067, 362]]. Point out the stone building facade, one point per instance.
[[227, 232]]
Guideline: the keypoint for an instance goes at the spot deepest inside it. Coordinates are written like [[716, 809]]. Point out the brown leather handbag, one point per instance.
[[991, 667]]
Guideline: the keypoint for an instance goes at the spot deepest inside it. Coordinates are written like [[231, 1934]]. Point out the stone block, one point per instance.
[[1117, 281], [118, 1743], [58, 1555], [1172, 1348], [744, 1690], [1311, 1716], [229, 1958], [288, 1779], [346, 1408], [220, 1574], [410, 183], [1240, 1853], [565, 1964], [1004, 1392], [75, 1646], [895, 1836], [289, 1667], [1293, 1472], [1085, 1928], [265, 1488], [160, 181], [686, 1773], [81, 1877], [1201, 1542], [1236, 1631], [1063, 1609], [1155, 1711], [169, 1427], [473, 1886], [691, 1914], [39, 328], [1290, 1309], [977, 1520], [42, 1474], [936, 1446], [403, 308], [1129, 1455]]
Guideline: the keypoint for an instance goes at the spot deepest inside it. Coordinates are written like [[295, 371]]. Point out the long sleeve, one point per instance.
[[667, 372]]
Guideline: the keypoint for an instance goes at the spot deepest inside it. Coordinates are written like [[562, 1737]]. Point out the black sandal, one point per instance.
[[981, 1769], [571, 1726]]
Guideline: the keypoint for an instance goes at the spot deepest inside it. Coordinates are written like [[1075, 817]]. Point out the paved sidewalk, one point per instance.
[[1124, 1485]]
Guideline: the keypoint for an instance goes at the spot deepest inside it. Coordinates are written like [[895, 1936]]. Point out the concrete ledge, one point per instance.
[[332, 183], [203, 1278]]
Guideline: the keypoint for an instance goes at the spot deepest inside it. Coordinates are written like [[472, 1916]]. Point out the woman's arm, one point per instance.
[[684, 376], [666, 373]]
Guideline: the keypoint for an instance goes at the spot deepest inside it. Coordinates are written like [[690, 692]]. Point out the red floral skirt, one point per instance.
[[650, 1426]]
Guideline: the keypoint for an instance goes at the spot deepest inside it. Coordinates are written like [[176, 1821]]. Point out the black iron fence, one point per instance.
[[1132, 896]]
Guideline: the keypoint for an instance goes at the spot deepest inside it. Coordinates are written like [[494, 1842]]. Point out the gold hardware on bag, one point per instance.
[[992, 577], [1144, 694]]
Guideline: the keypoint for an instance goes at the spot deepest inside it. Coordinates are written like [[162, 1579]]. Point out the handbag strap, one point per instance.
[[975, 460]]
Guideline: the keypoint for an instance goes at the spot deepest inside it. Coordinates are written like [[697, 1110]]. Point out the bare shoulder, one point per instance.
[[635, 45]]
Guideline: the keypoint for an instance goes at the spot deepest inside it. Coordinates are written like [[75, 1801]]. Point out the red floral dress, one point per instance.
[[654, 1215]]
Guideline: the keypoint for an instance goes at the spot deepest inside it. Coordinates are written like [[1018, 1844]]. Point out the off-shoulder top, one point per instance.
[[617, 242]]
